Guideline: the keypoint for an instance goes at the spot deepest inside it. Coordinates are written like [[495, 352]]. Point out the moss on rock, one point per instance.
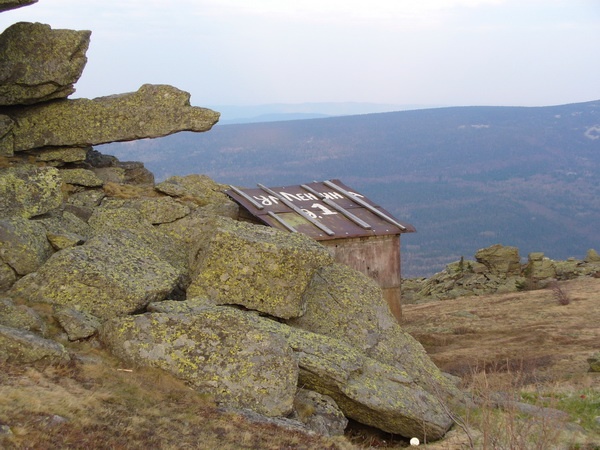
[[218, 351], [258, 267]]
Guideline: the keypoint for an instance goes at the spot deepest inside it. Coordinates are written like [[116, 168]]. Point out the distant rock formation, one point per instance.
[[498, 269], [166, 276]]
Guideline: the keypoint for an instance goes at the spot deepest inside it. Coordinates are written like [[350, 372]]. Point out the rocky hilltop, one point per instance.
[[498, 269], [166, 276]]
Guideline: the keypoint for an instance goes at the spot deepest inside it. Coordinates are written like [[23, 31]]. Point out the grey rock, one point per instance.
[[155, 210], [27, 190], [108, 276], [20, 316], [6, 140], [20, 346], [218, 351], [6, 5], [319, 413], [257, 267], [152, 111], [77, 324], [61, 155], [23, 244], [7, 276], [81, 177], [38, 63]]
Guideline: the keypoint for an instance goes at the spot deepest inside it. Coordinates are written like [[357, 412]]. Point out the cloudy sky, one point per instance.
[[425, 52]]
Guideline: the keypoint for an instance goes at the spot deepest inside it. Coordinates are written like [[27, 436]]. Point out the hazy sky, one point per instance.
[[428, 52]]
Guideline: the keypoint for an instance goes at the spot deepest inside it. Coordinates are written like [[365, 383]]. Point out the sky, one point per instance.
[[402, 52]]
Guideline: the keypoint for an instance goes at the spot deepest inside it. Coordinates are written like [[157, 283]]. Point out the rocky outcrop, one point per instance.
[[255, 266], [107, 277], [38, 63], [496, 271], [167, 275], [218, 351], [152, 111]]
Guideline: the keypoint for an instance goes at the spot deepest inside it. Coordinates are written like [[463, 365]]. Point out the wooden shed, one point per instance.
[[357, 231]]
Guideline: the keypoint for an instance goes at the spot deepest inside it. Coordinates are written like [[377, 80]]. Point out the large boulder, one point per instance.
[[255, 266], [152, 111], [110, 219], [366, 390], [27, 190], [109, 276], [347, 305], [500, 260], [38, 63], [217, 350]]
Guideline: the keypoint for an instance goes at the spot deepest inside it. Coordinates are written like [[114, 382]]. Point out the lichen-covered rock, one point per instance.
[[200, 189], [64, 240], [77, 324], [155, 210], [319, 413], [218, 351], [38, 63], [6, 5], [80, 177], [539, 267], [61, 155], [189, 306], [592, 256], [6, 141], [152, 111], [65, 222], [20, 316], [27, 190], [345, 304], [258, 267], [7, 276], [21, 346], [366, 390], [108, 276], [107, 220], [23, 244], [500, 260]]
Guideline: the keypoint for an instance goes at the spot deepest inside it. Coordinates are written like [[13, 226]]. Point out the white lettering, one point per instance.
[[332, 195], [288, 196], [325, 210], [307, 197], [266, 201]]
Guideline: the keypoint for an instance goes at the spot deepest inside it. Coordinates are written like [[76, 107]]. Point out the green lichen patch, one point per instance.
[[217, 350], [258, 267]]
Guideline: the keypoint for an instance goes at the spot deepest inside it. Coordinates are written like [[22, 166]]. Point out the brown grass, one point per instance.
[[522, 346], [100, 404]]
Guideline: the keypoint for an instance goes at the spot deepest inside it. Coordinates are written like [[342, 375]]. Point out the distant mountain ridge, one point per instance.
[[275, 112], [465, 177]]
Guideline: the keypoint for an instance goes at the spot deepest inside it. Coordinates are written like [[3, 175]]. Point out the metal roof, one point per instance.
[[323, 210]]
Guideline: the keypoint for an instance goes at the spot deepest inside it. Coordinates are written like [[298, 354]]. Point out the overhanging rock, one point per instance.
[[152, 111]]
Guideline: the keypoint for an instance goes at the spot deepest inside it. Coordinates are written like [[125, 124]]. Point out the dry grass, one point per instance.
[[522, 357], [98, 404]]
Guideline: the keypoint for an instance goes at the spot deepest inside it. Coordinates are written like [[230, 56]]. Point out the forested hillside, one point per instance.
[[465, 177]]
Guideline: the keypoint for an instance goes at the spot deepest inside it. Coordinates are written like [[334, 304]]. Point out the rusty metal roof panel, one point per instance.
[[323, 210]]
